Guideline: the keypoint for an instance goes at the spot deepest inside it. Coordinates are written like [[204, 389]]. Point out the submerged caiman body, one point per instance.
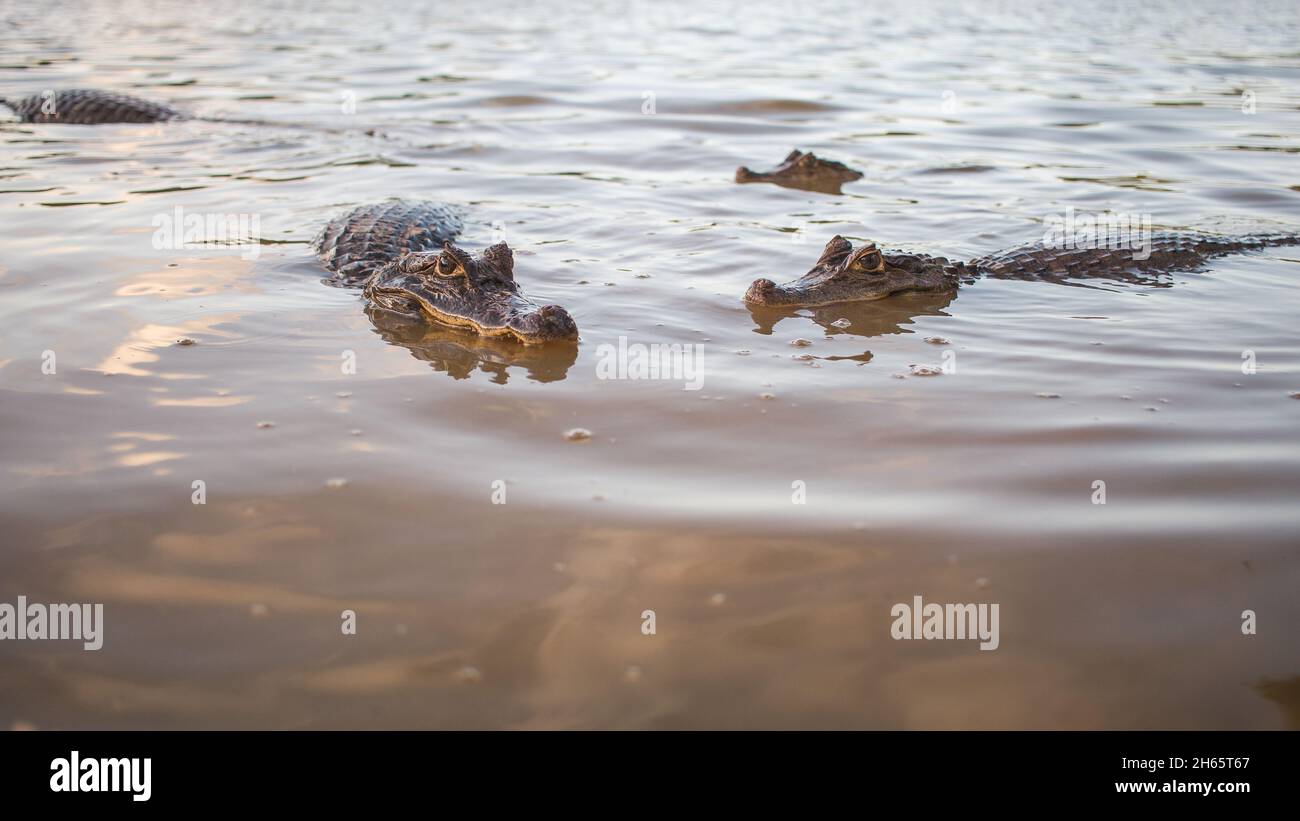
[[846, 274], [402, 256], [80, 106]]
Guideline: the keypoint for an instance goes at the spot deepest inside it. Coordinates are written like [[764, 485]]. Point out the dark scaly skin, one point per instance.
[[89, 107], [1168, 252], [354, 245], [389, 249], [805, 171], [846, 274]]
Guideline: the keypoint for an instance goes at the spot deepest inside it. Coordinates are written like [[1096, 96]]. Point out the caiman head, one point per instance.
[[806, 171], [457, 288], [845, 274]]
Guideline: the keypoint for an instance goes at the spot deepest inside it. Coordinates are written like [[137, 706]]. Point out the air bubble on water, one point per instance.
[[801, 342], [841, 323], [355, 432], [344, 394], [718, 599], [743, 352], [469, 675], [577, 434], [926, 370], [185, 341], [265, 425], [982, 582], [802, 357], [258, 610], [336, 483], [938, 340], [767, 396], [1045, 395]]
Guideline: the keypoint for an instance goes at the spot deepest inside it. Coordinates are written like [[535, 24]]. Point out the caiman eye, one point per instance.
[[870, 261], [446, 265]]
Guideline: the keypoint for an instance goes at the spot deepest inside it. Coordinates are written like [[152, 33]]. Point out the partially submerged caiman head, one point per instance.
[[806, 171], [479, 293], [845, 274]]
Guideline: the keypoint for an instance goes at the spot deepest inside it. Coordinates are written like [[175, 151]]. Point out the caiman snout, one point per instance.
[[761, 291], [546, 324]]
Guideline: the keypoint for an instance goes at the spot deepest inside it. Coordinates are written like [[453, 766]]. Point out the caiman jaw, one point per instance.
[[523, 321], [768, 293]]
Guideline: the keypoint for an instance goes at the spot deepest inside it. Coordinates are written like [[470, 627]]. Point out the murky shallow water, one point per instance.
[[973, 123]]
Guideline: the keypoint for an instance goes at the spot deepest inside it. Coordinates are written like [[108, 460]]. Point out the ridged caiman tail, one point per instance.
[[81, 106], [1131, 254]]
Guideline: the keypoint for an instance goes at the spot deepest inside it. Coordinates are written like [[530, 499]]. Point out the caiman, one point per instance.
[[80, 106], [402, 256], [805, 171], [847, 274]]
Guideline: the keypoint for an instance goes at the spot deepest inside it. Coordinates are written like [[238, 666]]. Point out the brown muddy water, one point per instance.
[[600, 142]]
